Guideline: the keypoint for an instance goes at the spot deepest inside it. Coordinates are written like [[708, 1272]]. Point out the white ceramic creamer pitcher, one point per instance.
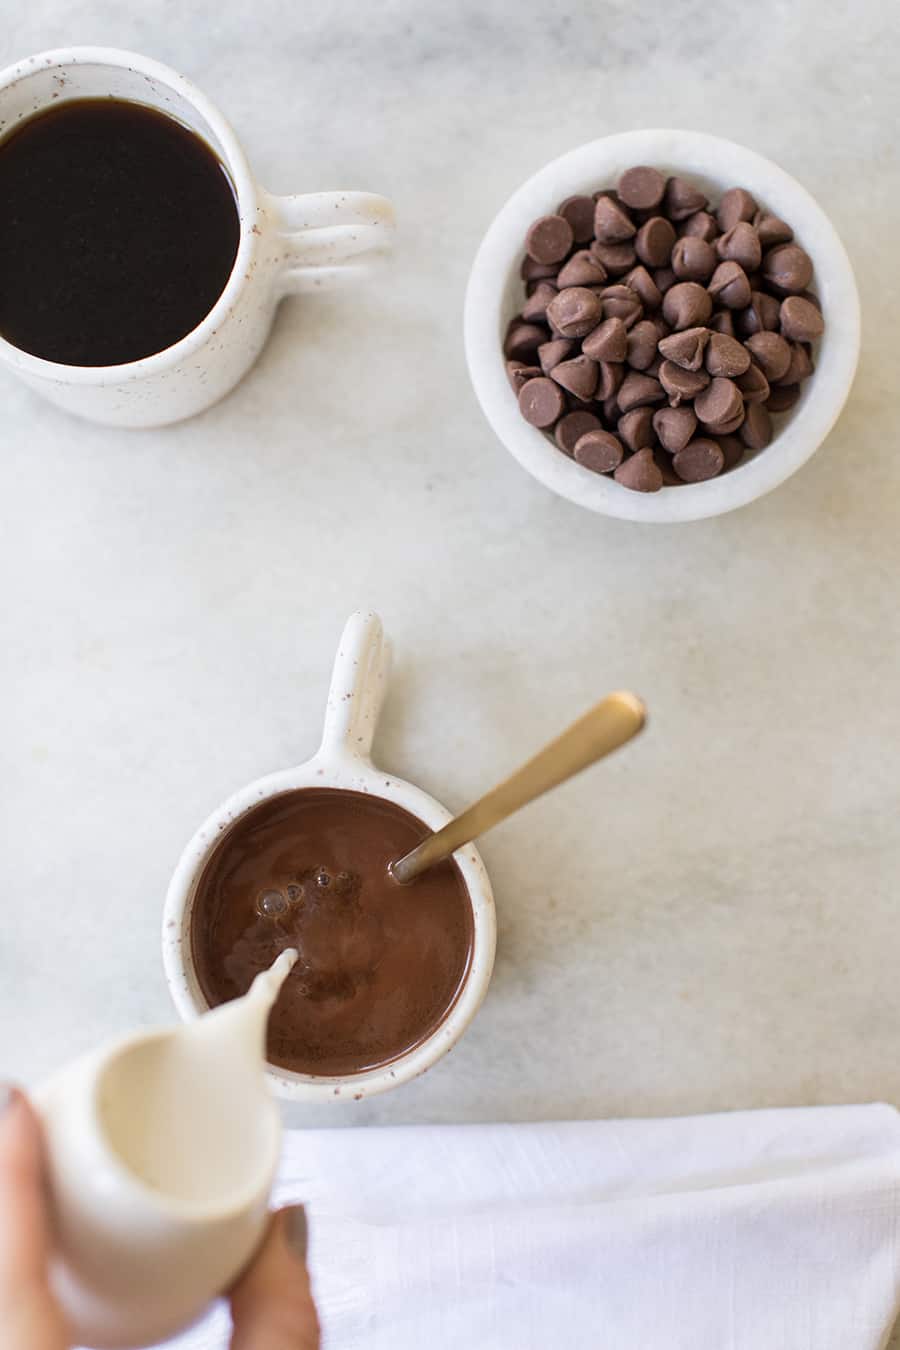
[[161, 1153]]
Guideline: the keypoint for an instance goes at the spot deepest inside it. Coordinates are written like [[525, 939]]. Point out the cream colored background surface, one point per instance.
[[710, 920]]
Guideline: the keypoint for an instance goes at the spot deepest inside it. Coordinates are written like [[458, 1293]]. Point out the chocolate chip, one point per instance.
[[612, 373], [535, 271], [654, 241], [641, 188], [719, 403], [686, 305], [638, 389], [620, 302], [642, 342], [679, 383], [735, 204], [579, 212], [574, 311], [722, 322], [518, 373], [541, 402], [756, 428], [664, 279], [753, 385], [643, 285], [635, 428], [640, 472], [726, 427], [611, 410], [569, 429], [549, 239], [726, 356], [733, 450], [693, 259], [616, 258], [782, 398], [674, 427], [686, 349], [599, 451], [582, 269], [578, 375], [729, 285], [534, 309], [612, 224], [523, 340], [788, 268], [682, 199], [699, 460], [812, 298], [801, 366], [771, 353], [551, 353], [740, 244], [664, 464], [771, 230], [762, 315], [800, 320], [701, 225], [607, 342]]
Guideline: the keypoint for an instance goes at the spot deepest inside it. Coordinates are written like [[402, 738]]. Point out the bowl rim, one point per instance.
[[716, 162]]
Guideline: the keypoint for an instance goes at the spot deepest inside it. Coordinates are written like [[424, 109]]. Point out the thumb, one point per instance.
[[271, 1305]]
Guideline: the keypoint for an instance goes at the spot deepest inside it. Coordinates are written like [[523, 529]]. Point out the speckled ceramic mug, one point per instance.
[[287, 245], [342, 761]]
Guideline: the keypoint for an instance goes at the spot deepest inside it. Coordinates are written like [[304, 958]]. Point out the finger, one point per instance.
[[29, 1315], [23, 1221], [271, 1305]]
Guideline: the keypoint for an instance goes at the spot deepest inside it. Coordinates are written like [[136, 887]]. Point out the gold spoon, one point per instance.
[[609, 724]]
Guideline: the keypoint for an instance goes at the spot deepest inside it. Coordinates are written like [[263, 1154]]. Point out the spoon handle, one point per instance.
[[609, 724]]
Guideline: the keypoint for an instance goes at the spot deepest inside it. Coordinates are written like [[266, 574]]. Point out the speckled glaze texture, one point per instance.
[[495, 294], [343, 761], [287, 245]]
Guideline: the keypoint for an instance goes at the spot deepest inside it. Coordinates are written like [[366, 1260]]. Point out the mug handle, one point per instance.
[[358, 683], [330, 237]]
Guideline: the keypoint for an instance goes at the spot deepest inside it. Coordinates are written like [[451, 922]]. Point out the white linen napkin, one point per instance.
[[765, 1230]]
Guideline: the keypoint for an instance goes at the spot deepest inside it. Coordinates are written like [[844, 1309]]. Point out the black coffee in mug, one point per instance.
[[118, 231]]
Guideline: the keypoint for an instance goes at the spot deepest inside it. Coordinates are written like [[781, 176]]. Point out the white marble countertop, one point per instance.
[[709, 921]]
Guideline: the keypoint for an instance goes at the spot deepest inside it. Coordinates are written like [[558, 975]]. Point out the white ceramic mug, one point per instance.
[[342, 761], [286, 245]]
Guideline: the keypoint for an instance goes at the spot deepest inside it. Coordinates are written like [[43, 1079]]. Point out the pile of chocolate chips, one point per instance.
[[658, 336]]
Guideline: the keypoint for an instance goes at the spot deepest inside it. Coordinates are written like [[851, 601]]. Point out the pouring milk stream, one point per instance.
[[161, 1149]]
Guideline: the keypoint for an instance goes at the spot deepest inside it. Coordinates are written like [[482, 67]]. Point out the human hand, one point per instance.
[[271, 1304]]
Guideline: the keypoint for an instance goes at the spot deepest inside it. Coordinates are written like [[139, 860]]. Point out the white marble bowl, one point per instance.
[[495, 294]]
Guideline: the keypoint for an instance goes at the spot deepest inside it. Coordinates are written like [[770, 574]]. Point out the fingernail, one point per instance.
[[297, 1231]]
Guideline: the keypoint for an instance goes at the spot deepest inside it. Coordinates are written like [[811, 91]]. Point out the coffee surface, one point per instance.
[[118, 231], [380, 964]]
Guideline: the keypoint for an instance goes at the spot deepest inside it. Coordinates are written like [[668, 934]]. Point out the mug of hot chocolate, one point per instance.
[[388, 976], [142, 263]]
